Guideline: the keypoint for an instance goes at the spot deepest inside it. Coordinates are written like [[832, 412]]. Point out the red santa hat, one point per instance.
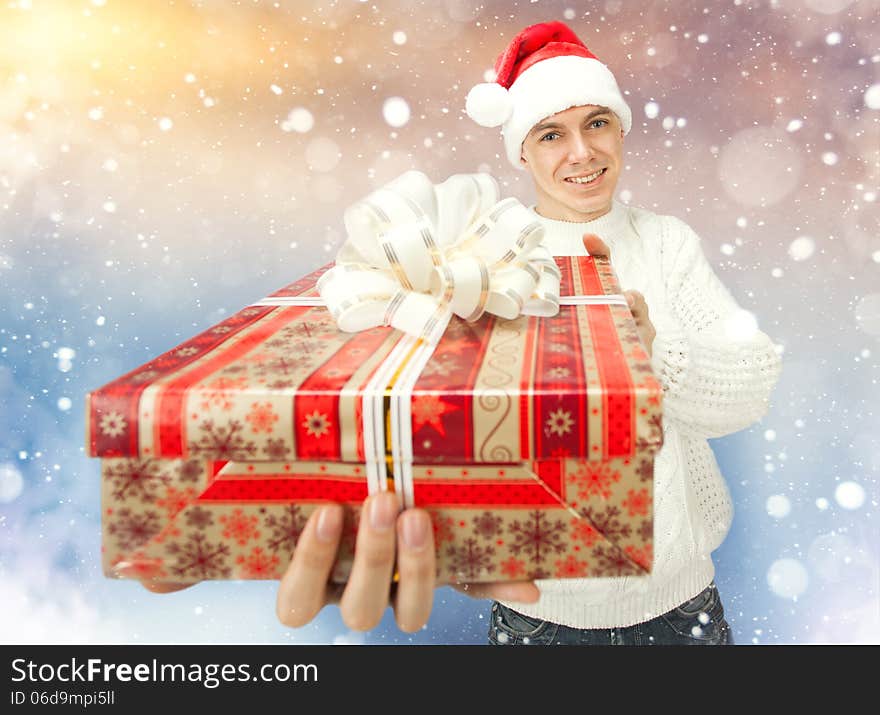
[[544, 70]]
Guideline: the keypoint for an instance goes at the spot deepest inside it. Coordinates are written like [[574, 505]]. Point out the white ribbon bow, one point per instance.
[[417, 252]]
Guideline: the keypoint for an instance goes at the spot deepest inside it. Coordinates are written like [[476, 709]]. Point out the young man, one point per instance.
[[564, 120]]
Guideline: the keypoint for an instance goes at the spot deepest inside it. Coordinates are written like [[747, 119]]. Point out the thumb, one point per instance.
[[595, 246]]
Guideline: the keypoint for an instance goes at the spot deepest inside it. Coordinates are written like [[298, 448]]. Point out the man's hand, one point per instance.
[[383, 534], [638, 307]]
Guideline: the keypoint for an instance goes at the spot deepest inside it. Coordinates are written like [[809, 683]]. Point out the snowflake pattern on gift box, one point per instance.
[[582, 532], [428, 410], [646, 530], [444, 529], [594, 479], [570, 567], [637, 502], [112, 424], [513, 568], [537, 535], [191, 470], [135, 479], [612, 560], [258, 564], [198, 558], [276, 450], [607, 522], [198, 518], [441, 365], [240, 526], [487, 525], [224, 443], [262, 417], [221, 392], [559, 423], [174, 500], [285, 528], [643, 556], [317, 424], [645, 470], [132, 528], [470, 560]]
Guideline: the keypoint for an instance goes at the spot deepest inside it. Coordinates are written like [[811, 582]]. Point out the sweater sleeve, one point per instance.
[[716, 367]]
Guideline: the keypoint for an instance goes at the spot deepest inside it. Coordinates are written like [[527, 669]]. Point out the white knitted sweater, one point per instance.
[[717, 371]]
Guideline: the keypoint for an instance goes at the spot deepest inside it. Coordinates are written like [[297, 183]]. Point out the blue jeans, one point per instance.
[[697, 621]]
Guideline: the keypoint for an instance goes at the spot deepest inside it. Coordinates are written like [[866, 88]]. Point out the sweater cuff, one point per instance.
[[670, 356]]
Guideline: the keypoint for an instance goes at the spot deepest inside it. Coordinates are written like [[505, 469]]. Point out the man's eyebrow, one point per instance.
[[554, 125]]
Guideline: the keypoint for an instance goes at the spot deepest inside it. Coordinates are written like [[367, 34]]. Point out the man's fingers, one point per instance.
[[595, 246], [366, 594], [302, 592], [416, 563], [164, 586], [519, 591], [637, 304]]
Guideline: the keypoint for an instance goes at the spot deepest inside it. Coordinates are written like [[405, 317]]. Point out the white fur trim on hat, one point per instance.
[[553, 85]]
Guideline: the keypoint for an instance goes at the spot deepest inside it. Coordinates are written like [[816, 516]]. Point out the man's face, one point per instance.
[[571, 144]]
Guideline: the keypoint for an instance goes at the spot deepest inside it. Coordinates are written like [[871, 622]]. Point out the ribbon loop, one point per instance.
[[416, 251]]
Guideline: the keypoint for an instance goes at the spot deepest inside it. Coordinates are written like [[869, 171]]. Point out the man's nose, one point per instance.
[[579, 149]]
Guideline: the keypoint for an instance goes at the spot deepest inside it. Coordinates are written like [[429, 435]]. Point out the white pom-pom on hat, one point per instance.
[[489, 104]]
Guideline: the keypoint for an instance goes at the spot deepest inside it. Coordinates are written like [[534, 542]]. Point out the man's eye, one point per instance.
[[604, 121], [549, 135]]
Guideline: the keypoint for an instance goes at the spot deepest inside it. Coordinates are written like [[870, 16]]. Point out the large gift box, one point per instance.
[[529, 440]]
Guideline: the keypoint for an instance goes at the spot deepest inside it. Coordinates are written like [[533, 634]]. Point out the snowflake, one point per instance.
[[135, 478], [607, 522], [280, 384], [276, 450], [443, 529], [637, 502], [176, 500], [487, 525], [645, 470], [220, 391], [643, 556], [285, 365], [262, 417], [537, 535], [470, 560], [646, 530], [223, 443], [317, 424], [286, 528], [133, 529], [558, 347], [612, 561], [442, 365], [145, 376], [240, 526], [559, 372], [199, 518], [429, 409], [594, 479], [187, 352], [258, 564], [513, 568], [191, 470], [113, 424], [559, 422], [582, 531], [570, 567], [199, 558], [220, 330]]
